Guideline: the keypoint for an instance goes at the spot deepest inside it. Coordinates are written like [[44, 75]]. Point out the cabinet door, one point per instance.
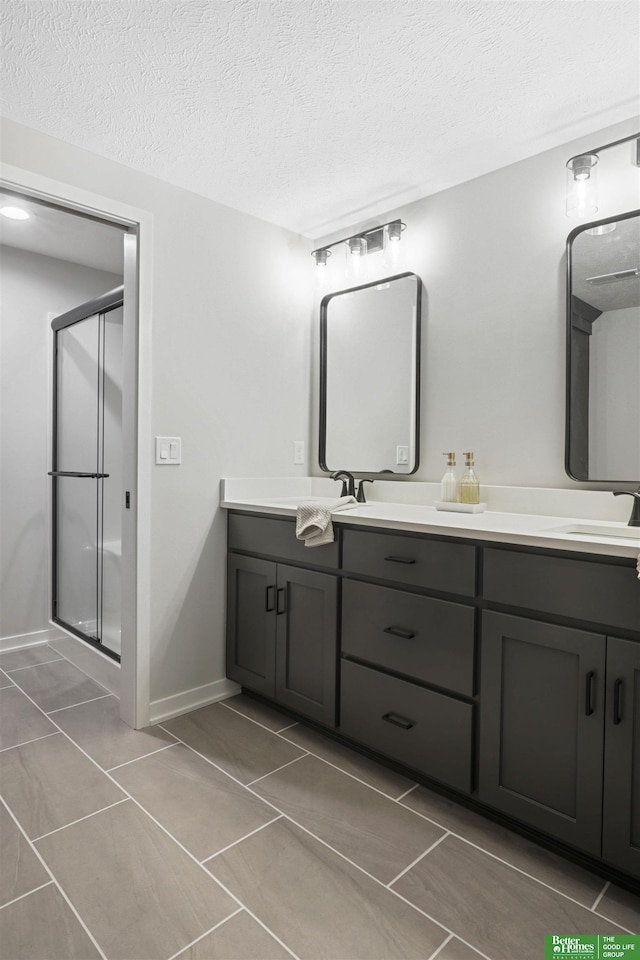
[[542, 725], [306, 643], [251, 627], [621, 829]]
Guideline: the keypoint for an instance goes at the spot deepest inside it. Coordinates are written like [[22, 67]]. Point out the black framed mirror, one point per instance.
[[370, 377], [602, 441]]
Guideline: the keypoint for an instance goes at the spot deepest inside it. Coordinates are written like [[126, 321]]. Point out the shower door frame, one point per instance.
[[97, 307], [137, 415]]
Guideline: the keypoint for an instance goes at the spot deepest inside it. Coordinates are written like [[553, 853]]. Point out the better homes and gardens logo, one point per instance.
[[625, 947]]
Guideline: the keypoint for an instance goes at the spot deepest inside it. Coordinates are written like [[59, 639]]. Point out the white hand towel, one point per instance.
[[313, 520]]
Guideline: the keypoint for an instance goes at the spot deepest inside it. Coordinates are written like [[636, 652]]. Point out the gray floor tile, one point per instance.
[[393, 784], [622, 907], [50, 783], [43, 927], [5, 681], [21, 870], [97, 728], [240, 938], [200, 806], [58, 684], [267, 716], [522, 853], [235, 744], [318, 904], [500, 911], [137, 891], [28, 657], [20, 721], [457, 950], [374, 832]]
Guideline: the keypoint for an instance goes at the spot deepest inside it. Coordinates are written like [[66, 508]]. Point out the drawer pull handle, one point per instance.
[[400, 559], [589, 693], [270, 599], [617, 702], [399, 632], [281, 602], [398, 721]]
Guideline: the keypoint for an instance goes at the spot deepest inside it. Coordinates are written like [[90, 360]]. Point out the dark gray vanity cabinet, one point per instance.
[[542, 725], [407, 675], [282, 619], [621, 823]]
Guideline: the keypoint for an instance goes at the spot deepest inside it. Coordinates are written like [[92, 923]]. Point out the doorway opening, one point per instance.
[[69, 327]]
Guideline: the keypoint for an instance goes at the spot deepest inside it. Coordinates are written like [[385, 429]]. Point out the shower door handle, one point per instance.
[[75, 473]]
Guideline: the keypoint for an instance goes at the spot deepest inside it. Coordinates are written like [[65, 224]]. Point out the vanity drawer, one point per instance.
[[583, 590], [430, 640], [276, 537], [415, 561], [427, 731]]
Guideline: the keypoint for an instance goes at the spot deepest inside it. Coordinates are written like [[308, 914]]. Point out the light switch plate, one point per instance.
[[168, 451], [402, 454], [298, 451]]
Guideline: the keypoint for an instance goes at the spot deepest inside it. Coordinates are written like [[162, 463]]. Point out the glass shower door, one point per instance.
[[87, 426]]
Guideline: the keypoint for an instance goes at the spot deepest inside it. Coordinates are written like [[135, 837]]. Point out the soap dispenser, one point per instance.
[[449, 483], [469, 489]]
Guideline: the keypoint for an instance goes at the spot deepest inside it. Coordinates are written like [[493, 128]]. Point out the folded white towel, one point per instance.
[[313, 520]]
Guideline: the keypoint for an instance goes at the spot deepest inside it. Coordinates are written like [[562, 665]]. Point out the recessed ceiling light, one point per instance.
[[14, 213]]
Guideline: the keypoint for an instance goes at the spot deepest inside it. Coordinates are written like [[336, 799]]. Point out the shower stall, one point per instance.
[[87, 494]]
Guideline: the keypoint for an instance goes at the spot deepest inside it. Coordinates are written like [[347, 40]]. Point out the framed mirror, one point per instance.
[[370, 377], [603, 350]]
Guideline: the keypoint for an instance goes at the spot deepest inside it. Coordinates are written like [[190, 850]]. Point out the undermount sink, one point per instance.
[[598, 530]]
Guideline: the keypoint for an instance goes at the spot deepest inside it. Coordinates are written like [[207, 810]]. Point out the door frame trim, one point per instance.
[[137, 428]]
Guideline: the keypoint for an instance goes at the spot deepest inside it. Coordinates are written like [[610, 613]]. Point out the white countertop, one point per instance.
[[582, 532]]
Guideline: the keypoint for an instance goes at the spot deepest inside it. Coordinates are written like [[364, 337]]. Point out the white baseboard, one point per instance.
[[188, 700], [20, 640]]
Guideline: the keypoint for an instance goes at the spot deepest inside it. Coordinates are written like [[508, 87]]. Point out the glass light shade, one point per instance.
[[582, 186], [321, 258], [356, 251]]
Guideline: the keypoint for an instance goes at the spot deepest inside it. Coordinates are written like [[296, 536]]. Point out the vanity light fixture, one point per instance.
[[14, 213], [582, 178], [360, 244]]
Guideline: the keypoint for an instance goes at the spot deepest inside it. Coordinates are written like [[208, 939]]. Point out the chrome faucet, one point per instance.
[[634, 519], [348, 483]]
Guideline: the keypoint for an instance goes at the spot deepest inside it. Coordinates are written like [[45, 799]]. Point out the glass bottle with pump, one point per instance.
[[469, 488], [449, 483]]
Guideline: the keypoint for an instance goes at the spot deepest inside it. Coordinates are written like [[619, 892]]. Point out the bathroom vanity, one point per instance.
[[492, 656]]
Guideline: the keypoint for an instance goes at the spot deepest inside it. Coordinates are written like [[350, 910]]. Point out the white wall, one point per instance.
[[491, 254], [230, 372], [32, 286], [614, 394]]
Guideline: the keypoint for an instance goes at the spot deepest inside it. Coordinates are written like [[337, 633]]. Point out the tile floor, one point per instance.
[[233, 834]]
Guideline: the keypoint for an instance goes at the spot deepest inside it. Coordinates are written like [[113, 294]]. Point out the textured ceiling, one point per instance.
[[316, 113]]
